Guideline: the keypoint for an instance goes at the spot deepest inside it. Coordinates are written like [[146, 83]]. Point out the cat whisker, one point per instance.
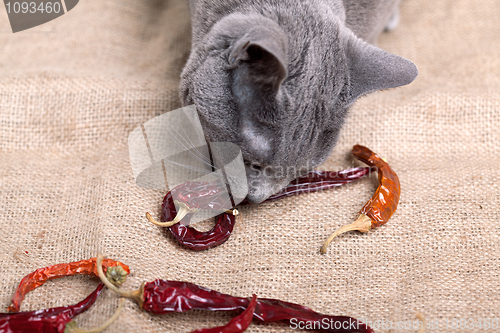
[[200, 154], [190, 148]]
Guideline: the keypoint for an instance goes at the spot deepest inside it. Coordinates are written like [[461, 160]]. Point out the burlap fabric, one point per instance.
[[72, 90]]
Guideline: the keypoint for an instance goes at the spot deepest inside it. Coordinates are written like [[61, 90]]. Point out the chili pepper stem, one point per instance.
[[232, 211], [363, 223], [183, 211], [72, 328], [136, 295]]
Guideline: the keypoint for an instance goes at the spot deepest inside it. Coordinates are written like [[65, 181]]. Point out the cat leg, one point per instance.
[[393, 21]]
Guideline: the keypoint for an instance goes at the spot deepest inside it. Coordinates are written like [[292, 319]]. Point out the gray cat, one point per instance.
[[276, 77]]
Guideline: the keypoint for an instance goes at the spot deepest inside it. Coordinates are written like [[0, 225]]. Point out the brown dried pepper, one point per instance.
[[379, 209], [54, 320], [161, 296], [42, 275], [238, 324]]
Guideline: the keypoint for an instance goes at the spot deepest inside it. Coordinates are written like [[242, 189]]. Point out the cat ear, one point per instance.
[[372, 68], [261, 56]]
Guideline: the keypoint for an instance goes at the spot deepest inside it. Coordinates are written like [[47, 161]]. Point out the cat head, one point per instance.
[[281, 92]]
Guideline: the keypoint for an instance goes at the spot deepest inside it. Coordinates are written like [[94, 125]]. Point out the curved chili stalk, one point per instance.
[[136, 295], [192, 196], [363, 223], [183, 211], [83, 267], [71, 327], [379, 209]]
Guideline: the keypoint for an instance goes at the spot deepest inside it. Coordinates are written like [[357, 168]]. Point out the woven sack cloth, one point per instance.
[[72, 90]]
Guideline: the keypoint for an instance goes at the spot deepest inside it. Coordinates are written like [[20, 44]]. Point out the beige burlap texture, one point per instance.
[[73, 89]]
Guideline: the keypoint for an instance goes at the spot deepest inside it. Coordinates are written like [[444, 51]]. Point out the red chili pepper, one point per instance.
[[379, 209], [238, 324], [317, 181], [224, 223], [191, 197], [53, 320], [162, 296], [200, 195], [42, 275], [194, 239]]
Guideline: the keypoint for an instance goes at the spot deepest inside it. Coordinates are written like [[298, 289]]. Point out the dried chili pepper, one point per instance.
[[379, 209], [42, 275], [224, 223], [162, 296], [194, 239], [193, 196], [238, 324], [57, 320], [317, 181]]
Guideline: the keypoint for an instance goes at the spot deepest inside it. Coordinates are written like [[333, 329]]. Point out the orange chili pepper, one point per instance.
[[379, 209], [42, 275]]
